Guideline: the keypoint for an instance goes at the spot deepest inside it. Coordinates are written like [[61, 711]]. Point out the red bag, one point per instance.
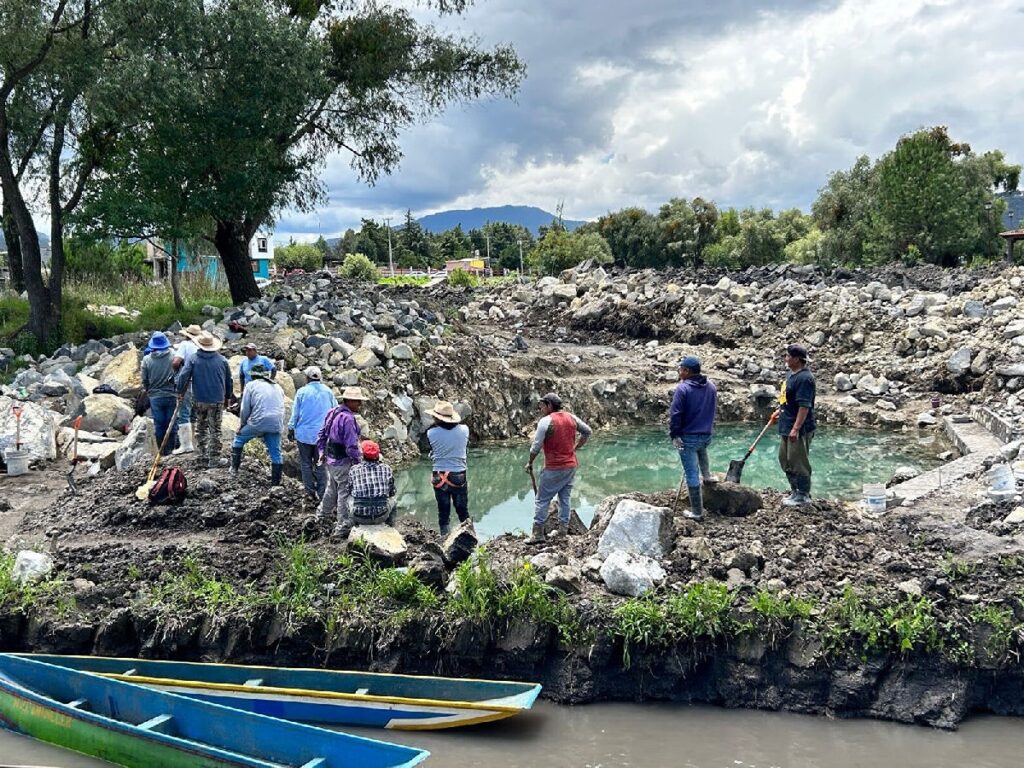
[[170, 487]]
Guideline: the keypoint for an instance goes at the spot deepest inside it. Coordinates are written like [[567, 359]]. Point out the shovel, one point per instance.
[[533, 479], [17, 427], [736, 467], [142, 492], [74, 459]]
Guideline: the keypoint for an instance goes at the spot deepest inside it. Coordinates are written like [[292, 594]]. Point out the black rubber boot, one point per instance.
[[445, 530], [275, 473], [696, 511], [236, 460], [537, 536]]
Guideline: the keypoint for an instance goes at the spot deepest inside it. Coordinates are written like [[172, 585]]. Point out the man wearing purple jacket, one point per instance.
[[691, 423], [338, 447]]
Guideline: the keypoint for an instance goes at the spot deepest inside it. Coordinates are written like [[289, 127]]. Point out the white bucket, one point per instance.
[[873, 498], [1001, 478], [17, 462]]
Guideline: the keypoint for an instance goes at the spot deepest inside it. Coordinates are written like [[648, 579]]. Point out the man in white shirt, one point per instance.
[[185, 351]]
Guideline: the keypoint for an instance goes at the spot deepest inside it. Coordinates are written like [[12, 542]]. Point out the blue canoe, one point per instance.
[[402, 702], [137, 727]]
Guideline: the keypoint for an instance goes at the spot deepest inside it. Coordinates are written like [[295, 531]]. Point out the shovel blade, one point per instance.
[[142, 492], [735, 470]]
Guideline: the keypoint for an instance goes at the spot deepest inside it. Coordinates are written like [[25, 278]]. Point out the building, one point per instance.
[[192, 260], [474, 266]]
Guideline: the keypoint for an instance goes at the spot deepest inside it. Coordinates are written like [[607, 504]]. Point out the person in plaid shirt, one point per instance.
[[372, 488]]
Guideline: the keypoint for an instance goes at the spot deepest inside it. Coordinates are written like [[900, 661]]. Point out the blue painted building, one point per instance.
[[190, 261]]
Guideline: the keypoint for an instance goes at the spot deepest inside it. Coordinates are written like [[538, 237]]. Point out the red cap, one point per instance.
[[370, 450]]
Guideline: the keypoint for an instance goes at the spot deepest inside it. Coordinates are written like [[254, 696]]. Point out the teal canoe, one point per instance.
[[138, 727], [401, 702]]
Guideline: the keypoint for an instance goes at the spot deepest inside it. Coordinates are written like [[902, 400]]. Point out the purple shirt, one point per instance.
[[339, 435]]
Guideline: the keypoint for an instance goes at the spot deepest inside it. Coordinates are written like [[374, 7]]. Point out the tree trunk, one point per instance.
[[175, 283], [232, 242], [14, 265]]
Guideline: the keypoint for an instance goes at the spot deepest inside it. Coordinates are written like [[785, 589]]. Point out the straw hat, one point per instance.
[[445, 411], [207, 342], [192, 332], [353, 393]]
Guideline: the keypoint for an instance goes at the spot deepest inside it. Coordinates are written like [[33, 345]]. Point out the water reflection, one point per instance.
[[501, 498]]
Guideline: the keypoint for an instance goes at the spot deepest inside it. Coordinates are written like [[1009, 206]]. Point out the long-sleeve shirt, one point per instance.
[[157, 374], [209, 375], [338, 440], [371, 480], [560, 452], [312, 403], [262, 406], [693, 407]]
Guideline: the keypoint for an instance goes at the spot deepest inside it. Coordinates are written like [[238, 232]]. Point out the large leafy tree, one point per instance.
[[634, 236]]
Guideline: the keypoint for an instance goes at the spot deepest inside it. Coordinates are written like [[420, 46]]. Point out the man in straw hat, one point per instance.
[[337, 446], [448, 440], [262, 416], [795, 417], [559, 435], [184, 352], [312, 404], [210, 378]]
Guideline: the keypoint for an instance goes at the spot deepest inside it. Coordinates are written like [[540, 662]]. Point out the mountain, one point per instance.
[[44, 240], [527, 215]]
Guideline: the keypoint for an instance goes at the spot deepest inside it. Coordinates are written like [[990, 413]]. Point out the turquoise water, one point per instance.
[[501, 498]]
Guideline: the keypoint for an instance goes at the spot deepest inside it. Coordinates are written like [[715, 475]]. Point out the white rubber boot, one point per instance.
[[185, 440]]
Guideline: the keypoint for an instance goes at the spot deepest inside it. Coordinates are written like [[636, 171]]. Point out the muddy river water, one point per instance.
[[501, 499], [670, 736]]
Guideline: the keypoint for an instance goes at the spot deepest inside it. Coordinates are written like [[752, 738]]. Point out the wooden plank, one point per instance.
[[158, 724], [253, 683]]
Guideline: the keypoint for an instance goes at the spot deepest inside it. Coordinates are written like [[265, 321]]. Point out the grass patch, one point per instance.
[[194, 589], [22, 597], [954, 568], [775, 615], [410, 281]]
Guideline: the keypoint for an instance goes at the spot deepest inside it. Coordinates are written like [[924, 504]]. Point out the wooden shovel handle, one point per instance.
[[757, 440]]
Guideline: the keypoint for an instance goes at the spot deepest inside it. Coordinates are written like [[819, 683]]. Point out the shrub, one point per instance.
[[460, 278], [358, 267], [298, 256]]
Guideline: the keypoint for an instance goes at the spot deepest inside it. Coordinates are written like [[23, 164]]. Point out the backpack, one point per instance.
[[170, 488]]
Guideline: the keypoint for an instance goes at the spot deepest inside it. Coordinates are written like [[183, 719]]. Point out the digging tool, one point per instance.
[[533, 479], [142, 492], [17, 409], [736, 467], [74, 459], [682, 482]]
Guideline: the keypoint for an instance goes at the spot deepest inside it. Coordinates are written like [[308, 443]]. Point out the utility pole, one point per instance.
[[487, 240], [520, 242], [391, 261]]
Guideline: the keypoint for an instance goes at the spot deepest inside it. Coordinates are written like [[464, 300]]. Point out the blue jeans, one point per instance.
[[270, 439], [694, 456], [448, 495], [162, 409], [185, 412], [554, 482], [314, 478]]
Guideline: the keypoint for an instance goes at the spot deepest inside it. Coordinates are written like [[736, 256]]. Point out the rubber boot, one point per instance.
[[804, 485], [563, 530], [184, 440], [236, 460], [275, 472], [696, 510], [705, 469], [445, 530], [792, 499], [797, 498], [538, 536]]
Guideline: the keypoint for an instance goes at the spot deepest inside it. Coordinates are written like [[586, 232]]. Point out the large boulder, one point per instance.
[[460, 543], [38, 429], [632, 575], [364, 358], [139, 447], [103, 413], [731, 499], [382, 542], [124, 373], [638, 528]]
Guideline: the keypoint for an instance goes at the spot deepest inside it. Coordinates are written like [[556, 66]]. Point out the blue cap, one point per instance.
[[159, 341], [691, 363]]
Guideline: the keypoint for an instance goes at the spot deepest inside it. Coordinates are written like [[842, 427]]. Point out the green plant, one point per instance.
[[24, 596], [403, 587], [298, 256], [193, 588], [476, 593], [954, 568], [911, 624], [1004, 633], [460, 278], [776, 614], [851, 622], [358, 267], [404, 280]]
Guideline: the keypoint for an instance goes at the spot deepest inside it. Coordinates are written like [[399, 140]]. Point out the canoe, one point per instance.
[[401, 702], [138, 727]]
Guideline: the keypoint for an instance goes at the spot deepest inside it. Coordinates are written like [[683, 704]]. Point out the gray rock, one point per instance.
[[364, 359], [959, 362], [638, 528], [975, 309], [731, 499], [401, 351], [38, 429], [872, 385], [842, 382], [139, 447], [382, 542], [926, 419], [910, 587], [103, 413], [631, 575], [545, 561], [460, 543], [565, 578]]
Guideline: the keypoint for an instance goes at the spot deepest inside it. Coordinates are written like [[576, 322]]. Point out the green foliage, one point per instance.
[[51, 591], [404, 281], [358, 267], [912, 625], [560, 249], [954, 568], [776, 614], [477, 589], [193, 588], [460, 278], [860, 624], [851, 623], [86, 258], [308, 258], [1004, 633], [634, 237]]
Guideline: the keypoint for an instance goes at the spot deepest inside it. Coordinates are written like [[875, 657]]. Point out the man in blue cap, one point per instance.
[[690, 426], [158, 384]]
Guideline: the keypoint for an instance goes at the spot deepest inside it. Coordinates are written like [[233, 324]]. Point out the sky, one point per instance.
[[745, 103]]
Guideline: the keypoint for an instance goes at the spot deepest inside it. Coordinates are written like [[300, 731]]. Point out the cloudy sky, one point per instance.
[[744, 102]]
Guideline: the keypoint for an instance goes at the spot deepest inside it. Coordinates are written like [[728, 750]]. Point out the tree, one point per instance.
[[843, 213], [687, 229], [560, 249], [414, 242], [634, 237], [284, 84], [298, 256]]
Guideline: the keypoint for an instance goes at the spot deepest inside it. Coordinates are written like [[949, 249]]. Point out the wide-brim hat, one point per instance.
[[259, 372], [159, 341], [445, 411], [207, 342], [192, 331], [353, 393]]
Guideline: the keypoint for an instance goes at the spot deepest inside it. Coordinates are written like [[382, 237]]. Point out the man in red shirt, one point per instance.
[[559, 434]]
